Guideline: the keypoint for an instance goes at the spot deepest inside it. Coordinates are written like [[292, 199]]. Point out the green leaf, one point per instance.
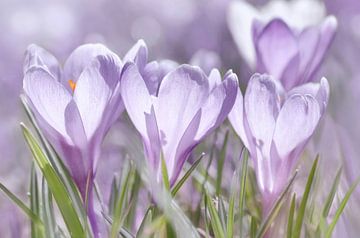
[[113, 195], [332, 193], [222, 212], [231, 216], [34, 201], [186, 175], [291, 217], [220, 164], [244, 168], [33, 217], [146, 220], [164, 173], [120, 203], [214, 217], [56, 186], [301, 212], [341, 208], [56, 162], [275, 209], [48, 211], [253, 227]]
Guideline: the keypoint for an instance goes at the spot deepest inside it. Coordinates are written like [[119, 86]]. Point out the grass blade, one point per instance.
[[117, 218], [341, 208], [291, 216], [231, 216], [56, 186], [220, 164], [47, 208], [331, 195], [33, 217], [186, 175], [164, 173], [34, 200], [214, 218], [56, 162], [242, 194], [301, 212]]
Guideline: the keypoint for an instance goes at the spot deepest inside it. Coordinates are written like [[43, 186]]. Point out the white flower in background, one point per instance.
[[298, 14]]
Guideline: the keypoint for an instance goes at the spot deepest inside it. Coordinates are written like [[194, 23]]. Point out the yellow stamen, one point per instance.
[[72, 84]]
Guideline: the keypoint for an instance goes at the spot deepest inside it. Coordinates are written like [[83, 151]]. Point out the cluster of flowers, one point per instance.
[[174, 107]]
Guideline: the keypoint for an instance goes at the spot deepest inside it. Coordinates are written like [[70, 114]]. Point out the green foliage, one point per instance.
[[224, 210], [58, 189]]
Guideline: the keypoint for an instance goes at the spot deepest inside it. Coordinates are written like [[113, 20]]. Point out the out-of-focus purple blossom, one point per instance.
[[275, 126], [206, 60], [175, 116], [75, 106], [298, 14], [289, 56]]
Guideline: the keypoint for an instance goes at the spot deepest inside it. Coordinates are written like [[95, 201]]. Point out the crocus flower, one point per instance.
[[175, 116], [289, 56], [275, 126], [75, 106], [298, 14]]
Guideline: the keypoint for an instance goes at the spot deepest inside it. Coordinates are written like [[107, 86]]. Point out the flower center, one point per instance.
[[72, 84]]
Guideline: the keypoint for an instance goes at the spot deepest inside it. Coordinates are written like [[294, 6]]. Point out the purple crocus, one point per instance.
[[175, 111], [75, 106], [275, 126], [288, 55]]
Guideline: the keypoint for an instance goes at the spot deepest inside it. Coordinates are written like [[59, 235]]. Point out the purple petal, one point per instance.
[[320, 91], [152, 144], [296, 122], [74, 125], [309, 40], [275, 48], [48, 97], [214, 79], [37, 56], [184, 148], [91, 95], [237, 120], [181, 94], [220, 102], [138, 54], [262, 105], [327, 33], [83, 56], [136, 97]]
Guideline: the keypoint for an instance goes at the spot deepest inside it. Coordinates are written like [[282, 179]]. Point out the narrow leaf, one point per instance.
[[244, 168], [164, 173], [33, 217], [291, 216], [214, 218], [341, 208], [301, 212], [186, 175], [332, 193], [57, 188], [220, 164]]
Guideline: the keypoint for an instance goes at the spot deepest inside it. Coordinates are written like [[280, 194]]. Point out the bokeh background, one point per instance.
[[181, 30]]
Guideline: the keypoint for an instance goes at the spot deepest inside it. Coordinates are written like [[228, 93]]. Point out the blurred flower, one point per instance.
[[75, 107], [175, 116], [275, 127], [291, 57], [206, 60], [298, 14]]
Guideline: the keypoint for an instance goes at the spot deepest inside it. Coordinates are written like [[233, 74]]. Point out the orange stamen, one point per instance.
[[72, 84]]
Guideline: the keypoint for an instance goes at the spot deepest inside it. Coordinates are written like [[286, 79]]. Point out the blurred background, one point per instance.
[[194, 31]]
